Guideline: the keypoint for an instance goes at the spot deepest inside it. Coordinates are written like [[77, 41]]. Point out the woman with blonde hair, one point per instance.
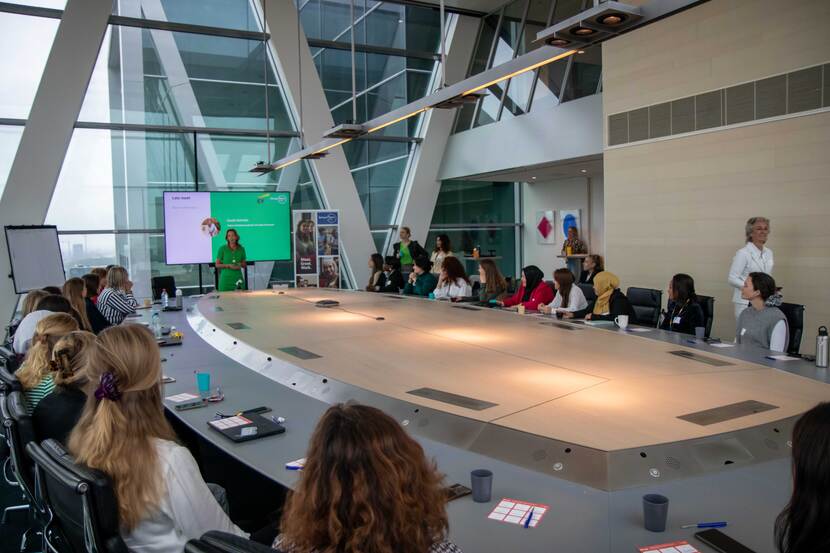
[[35, 373], [56, 415], [116, 301], [162, 500], [366, 487], [31, 301]]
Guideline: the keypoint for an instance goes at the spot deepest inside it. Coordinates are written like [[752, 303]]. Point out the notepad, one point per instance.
[[673, 547], [178, 398], [782, 358], [514, 511]]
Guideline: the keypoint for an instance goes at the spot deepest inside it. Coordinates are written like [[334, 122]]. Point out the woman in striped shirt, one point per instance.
[[116, 300], [35, 373]]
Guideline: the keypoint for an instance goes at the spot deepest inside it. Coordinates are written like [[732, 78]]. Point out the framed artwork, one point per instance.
[[546, 227]]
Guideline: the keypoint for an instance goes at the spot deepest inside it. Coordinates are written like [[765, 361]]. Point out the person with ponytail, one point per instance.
[[56, 415], [162, 500], [76, 291], [35, 374]]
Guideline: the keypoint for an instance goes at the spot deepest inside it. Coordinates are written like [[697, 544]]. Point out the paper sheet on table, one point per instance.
[[229, 422], [178, 398], [722, 345], [674, 547], [782, 358], [513, 511]]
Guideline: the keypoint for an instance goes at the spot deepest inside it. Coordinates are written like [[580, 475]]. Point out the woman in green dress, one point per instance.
[[230, 261]]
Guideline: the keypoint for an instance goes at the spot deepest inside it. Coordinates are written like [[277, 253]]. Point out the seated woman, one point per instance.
[[116, 301], [56, 414], [761, 325], [46, 305], [394, 278], [802, 526], [453, 282], [533, 291], [162, 500], [591, 266], [569, 296], [366, 486], [610, 302], [683, 313], [421, 281], [493, 284], [377, 279], [35, 373]]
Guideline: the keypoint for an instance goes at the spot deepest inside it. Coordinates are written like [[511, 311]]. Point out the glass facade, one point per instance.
[[479, 215], [203, 95], [509, 32], [402, 73]]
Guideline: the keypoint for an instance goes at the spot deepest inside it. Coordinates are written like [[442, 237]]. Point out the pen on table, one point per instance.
[[705, 525], [529, 517]]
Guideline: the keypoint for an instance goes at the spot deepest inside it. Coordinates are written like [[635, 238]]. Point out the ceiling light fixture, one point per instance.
[[612, 19], [583, 31], [397, 120], [583, 170], [520, 71], [345, 130]]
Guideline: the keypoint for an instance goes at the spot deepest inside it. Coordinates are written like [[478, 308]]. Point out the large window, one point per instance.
[[481, 215], [25, 41], [510, 32]]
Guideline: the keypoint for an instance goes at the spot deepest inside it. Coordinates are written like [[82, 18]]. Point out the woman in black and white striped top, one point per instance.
[[116, 301]]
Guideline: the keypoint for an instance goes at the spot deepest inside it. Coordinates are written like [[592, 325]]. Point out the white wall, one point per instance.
[[572, 193]]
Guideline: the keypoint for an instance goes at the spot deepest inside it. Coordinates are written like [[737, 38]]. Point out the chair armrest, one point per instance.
[[229, 543]]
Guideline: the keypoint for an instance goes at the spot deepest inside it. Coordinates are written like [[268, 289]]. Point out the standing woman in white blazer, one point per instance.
[[753, 257]]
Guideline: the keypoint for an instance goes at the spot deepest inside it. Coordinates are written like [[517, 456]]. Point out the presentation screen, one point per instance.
[[195, 224]]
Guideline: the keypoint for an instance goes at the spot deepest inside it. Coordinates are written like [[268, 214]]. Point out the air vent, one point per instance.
[[638, 124], [673, 463], [771, 97], [708, 112], [799, 91], [659, 120], [804, 90], [683, 115], [740, 103], [618, 129]]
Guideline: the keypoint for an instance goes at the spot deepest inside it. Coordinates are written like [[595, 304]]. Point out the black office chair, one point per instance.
[[160, 283], [222, 542], [80, 501], [707, 304], [9, 359], [795, 323], [588, 291], [646, 303]]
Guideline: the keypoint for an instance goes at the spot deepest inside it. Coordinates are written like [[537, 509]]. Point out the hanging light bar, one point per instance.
[[559, 41]]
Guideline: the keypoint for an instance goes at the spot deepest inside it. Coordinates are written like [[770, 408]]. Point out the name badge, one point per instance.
[[676, 321]]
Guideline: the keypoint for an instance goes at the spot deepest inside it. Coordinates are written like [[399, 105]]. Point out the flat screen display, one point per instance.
[[195, 224]]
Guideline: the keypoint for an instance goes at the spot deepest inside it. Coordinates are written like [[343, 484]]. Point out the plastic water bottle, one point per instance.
[[165, 299], [179, 298], [821, 348], [156, 324]]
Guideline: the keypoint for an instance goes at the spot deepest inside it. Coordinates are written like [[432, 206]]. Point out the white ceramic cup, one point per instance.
[[521, 309], [621, 321]]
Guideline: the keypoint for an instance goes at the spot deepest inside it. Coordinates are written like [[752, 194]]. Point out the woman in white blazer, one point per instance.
[[754, 257], [453, 282]]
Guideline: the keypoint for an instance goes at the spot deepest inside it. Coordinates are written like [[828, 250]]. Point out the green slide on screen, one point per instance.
[[262, 219]]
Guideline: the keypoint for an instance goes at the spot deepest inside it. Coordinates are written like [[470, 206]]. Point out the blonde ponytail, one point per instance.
[[123, 419], [36, 365]]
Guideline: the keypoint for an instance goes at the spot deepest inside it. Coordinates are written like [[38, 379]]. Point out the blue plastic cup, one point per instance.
[[203, 382], [431, 295]]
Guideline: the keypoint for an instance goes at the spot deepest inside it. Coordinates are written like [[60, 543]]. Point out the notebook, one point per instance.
[[247, 427]]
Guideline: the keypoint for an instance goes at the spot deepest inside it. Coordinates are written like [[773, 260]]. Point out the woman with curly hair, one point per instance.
[[367, 487]]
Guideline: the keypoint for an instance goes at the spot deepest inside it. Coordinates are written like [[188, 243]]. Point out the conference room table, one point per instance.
[[579, 519]]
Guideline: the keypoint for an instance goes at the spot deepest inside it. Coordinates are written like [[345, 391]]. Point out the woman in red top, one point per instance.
[[533, 292]]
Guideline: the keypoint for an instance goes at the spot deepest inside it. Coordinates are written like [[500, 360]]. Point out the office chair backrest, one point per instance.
[[222, 542], [588, 291], [707, 304], [646, 303], [795, 324], [10, 362], [19, 431], [160, 283], [81, 500]]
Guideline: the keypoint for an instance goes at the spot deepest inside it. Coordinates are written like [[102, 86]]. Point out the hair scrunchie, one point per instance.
[[107, 388]]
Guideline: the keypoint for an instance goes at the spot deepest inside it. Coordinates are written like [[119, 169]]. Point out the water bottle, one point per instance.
[[156, 324], [821, 347], [179, 298], [165, 299]]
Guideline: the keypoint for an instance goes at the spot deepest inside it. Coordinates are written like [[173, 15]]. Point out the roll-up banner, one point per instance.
[[317, 248]]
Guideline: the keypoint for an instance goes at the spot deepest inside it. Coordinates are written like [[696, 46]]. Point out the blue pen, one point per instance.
[[705, 525], [529, 517]]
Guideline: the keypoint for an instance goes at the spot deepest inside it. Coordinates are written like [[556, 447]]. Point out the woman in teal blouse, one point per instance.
[[421, 281], [230, 261]]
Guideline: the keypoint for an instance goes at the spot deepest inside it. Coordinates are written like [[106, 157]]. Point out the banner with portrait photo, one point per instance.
[[317, 248]]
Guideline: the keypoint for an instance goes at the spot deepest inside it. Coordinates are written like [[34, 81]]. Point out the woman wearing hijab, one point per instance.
[[610, 302], [533, 292]]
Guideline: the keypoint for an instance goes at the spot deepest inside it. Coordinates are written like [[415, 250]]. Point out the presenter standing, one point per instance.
[[753, 257], [230, 261]]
